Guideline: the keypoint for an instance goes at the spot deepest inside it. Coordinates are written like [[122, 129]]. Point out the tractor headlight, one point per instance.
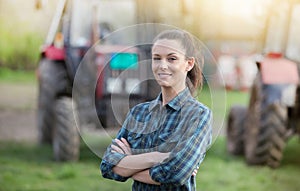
[[132, 85], [114, 85]]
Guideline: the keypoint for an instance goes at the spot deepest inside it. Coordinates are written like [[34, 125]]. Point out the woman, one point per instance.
[[162, 142]]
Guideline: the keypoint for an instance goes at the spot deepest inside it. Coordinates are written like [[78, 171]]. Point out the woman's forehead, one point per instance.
[[166, 46]]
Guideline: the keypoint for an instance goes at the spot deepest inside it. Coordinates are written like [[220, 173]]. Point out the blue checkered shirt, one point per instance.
[[182, 127]]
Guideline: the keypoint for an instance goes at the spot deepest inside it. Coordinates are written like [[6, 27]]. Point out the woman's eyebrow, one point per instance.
[[170, 54], [155, 54]]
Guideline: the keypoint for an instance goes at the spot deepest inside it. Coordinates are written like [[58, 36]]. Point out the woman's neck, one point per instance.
[[168, 93]]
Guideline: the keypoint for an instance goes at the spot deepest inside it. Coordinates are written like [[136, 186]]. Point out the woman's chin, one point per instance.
[[163, 83]]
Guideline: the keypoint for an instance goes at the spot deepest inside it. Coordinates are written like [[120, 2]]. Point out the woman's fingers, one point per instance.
[[195, 171], [127, 146], [125, 142], [124, 146], [116, 149]]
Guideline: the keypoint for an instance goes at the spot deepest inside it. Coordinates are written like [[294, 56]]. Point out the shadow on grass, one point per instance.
[[86, 155], [291, 154], [25, 151], [43, 153], [40, 153]]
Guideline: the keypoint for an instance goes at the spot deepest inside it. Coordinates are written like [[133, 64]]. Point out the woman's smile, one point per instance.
[[164, 75]]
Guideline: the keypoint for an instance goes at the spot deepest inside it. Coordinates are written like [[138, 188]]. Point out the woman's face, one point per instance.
[[169, 64]]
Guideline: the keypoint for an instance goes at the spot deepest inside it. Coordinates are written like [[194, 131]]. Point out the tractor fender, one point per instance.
[[278, 70], [53, 53]]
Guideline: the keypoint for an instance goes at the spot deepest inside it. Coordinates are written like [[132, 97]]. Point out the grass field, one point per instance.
[[29, 167]]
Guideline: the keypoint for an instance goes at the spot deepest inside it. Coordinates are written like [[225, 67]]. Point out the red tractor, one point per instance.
[[261, 130], [75, 76]]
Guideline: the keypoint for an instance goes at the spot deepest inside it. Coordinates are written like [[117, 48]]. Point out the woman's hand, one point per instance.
[[122, 147], [195, 171]]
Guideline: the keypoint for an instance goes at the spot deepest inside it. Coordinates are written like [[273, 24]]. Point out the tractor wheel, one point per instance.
[[235, 130], [265, 145], [66, 139], [52, 80]]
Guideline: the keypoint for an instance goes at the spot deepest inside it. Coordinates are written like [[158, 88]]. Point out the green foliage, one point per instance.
[[18, 50]]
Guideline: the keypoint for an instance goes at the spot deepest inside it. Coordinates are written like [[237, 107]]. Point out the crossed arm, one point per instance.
[[137, 166]]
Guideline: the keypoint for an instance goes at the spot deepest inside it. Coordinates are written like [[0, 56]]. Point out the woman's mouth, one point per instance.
[[163, 75]]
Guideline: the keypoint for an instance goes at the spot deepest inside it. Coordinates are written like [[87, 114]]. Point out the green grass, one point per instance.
[[30, 167], [221, 171], [26, 166], [17, 76], [220, 101], [219, 98]]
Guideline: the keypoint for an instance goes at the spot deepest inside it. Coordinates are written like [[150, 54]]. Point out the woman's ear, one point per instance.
[[191, 63]]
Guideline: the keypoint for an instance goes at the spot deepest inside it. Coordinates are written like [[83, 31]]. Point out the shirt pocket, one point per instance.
[[139, 142], [167, 141], [134, 139]]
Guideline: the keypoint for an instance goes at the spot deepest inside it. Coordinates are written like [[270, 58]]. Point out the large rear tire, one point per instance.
[[235, 130], [265, 129], [52, 81], [265, 145], [66, 139]]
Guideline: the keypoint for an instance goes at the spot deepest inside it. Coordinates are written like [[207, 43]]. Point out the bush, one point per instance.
[[19, 50]]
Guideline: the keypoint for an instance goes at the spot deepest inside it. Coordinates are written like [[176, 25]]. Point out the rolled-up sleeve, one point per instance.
[[111, 159], [188, 153]]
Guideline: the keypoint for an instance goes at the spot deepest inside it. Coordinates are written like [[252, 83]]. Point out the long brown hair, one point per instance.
[[194, 76]]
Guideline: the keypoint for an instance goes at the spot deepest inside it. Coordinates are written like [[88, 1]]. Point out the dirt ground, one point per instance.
[[18, 121], [18, 112]]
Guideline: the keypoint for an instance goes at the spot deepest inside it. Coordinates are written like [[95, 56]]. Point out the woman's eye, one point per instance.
[[156, 58], [172, 59]]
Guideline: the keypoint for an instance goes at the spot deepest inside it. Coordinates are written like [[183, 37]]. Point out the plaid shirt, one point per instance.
[[182, 127]]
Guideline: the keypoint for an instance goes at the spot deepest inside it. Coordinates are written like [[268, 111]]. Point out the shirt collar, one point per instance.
[[175, 103]]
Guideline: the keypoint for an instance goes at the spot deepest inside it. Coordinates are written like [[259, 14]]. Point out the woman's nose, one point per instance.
[[163, 64]]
